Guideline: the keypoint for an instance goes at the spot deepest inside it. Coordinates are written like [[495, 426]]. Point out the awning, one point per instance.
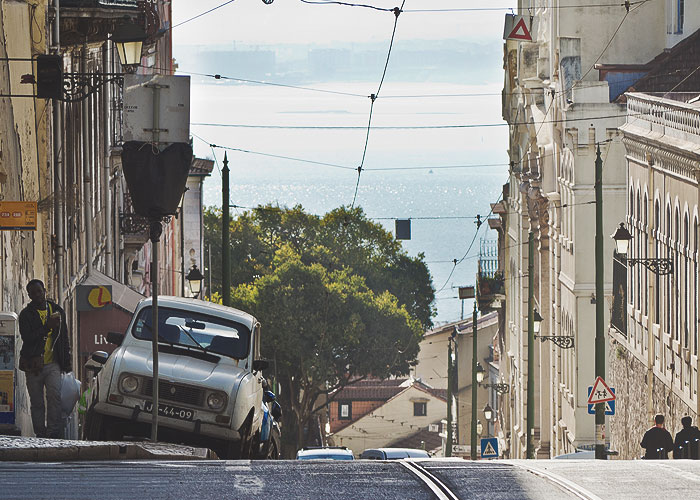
[[122, 296]]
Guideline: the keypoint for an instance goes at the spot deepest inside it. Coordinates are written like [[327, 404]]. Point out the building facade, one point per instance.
[[560, 100]]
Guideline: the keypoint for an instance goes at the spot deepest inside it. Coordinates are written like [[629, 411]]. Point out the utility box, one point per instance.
[[14, 403]]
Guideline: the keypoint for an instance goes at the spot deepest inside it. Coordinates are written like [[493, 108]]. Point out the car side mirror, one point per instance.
[[115, 338], [100, 357], [260, 365]]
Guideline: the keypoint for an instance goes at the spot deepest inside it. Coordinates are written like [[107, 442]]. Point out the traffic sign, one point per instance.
[[609, 405], [518, 28], [489, 448], [600, 392]]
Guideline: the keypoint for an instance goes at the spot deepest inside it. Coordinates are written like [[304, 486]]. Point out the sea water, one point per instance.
[[442, 202]]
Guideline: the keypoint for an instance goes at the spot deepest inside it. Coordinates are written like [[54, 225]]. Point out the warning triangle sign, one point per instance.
[[488, 450], [600, 393], [520, 32]]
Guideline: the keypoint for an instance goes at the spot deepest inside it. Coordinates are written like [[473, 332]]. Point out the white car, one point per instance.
[[210, 380]]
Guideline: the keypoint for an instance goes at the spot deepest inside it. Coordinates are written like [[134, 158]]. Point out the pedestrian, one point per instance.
[[686, 443], [45, 354], [657, 441]]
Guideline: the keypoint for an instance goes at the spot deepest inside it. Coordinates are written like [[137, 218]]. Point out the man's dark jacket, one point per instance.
[[689, 450], [34, 334], [655, 439]]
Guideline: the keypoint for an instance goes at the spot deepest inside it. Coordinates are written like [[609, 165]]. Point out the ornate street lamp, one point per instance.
[[128, 39], [488, 412], [537, 322], [563, 341], [479, 373], [659, 266], [194, 278]]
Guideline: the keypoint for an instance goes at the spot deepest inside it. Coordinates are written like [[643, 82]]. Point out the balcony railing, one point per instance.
[[490, 281], [668, 115]]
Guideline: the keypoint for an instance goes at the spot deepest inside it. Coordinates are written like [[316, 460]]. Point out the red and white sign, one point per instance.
[[600, 393], [518, 28]]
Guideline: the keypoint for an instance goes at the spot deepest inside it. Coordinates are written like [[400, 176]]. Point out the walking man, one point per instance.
[[657, 441], [45, 354], [686, 443]]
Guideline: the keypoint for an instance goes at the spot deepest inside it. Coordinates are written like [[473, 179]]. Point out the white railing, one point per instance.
[[673, 118]]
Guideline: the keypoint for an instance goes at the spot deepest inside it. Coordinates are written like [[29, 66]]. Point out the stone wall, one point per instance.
[[628, 375]]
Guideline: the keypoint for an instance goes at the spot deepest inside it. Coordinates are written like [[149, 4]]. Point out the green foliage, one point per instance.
[[337, 297]]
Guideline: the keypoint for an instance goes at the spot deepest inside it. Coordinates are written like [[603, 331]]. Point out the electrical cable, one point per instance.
[[373, 97], [200, 15]]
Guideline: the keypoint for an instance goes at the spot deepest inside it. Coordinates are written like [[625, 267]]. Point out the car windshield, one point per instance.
[[200, 331]]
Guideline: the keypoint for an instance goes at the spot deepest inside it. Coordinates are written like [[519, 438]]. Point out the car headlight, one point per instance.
[[216, 400], [128, 384]]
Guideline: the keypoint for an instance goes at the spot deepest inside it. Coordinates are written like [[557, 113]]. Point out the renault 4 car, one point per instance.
[[210, 389]]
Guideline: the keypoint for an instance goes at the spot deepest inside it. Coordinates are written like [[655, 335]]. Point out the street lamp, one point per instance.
[[194, 278], [128, 38], [488, 412], [479, 373], [537, 322], [659, 266]]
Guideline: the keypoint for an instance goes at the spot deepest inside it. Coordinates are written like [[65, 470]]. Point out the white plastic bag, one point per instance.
[[70, 393]]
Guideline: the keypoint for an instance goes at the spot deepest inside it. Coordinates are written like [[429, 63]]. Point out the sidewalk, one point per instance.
[[30, 449]]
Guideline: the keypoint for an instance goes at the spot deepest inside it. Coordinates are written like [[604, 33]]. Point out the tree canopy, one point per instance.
[[338, 299]]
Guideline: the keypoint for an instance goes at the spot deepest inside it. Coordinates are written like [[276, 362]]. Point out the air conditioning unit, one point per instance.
[[434, 428]]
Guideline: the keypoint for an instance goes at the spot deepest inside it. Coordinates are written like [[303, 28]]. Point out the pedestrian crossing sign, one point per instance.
[[489, 448], [609, 405]]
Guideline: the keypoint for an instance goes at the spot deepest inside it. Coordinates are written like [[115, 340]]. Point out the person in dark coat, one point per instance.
[[686, 443], [657, 441], [45, 354]]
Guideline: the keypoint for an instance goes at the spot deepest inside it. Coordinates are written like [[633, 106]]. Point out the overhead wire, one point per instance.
[[396, 11]]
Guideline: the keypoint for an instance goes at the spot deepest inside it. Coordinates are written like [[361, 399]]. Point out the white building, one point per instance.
[[560, 101]]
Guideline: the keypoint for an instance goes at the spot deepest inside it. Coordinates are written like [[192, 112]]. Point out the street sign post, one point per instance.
[[489, 448]]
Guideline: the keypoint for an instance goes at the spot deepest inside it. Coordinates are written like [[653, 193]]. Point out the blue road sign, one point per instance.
[[489, 448], [609, 405]]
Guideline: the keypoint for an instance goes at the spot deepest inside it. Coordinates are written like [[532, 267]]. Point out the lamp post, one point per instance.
[[194, 278]]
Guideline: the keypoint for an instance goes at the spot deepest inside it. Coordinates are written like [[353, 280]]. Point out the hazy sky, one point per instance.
[[292, 21]]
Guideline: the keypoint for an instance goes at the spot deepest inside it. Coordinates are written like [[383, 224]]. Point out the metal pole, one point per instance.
[[225, 236], [474, 384], [156, 230], [448, 446], [599, 304], [530, 344]]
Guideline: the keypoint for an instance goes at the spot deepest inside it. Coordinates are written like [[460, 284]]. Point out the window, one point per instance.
[[420, 409], [680, 14], [344, 411]]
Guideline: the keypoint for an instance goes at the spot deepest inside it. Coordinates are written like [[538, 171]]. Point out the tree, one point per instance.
[[337, 296], [324, 329]]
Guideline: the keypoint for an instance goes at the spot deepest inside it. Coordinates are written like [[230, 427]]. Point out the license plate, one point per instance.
[[170, 411]]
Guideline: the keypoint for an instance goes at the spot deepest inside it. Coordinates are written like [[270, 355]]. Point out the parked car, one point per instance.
[[210, 378], [577, 455], [325, 453], [393, 453]]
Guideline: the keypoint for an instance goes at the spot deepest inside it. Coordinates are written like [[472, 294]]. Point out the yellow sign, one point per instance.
[[99, 297], [18, 215]]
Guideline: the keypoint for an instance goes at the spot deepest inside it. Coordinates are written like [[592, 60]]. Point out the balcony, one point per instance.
[[490, 284]]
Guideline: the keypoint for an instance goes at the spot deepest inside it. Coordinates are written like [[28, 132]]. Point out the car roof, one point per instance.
[[203, 307], [579, 455], [401, 452], [324, 452]]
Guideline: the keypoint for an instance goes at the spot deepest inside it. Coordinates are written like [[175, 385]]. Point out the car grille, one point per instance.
[[178, 393]]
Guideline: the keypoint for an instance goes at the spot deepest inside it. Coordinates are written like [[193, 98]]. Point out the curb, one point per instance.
[[19, 449]]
